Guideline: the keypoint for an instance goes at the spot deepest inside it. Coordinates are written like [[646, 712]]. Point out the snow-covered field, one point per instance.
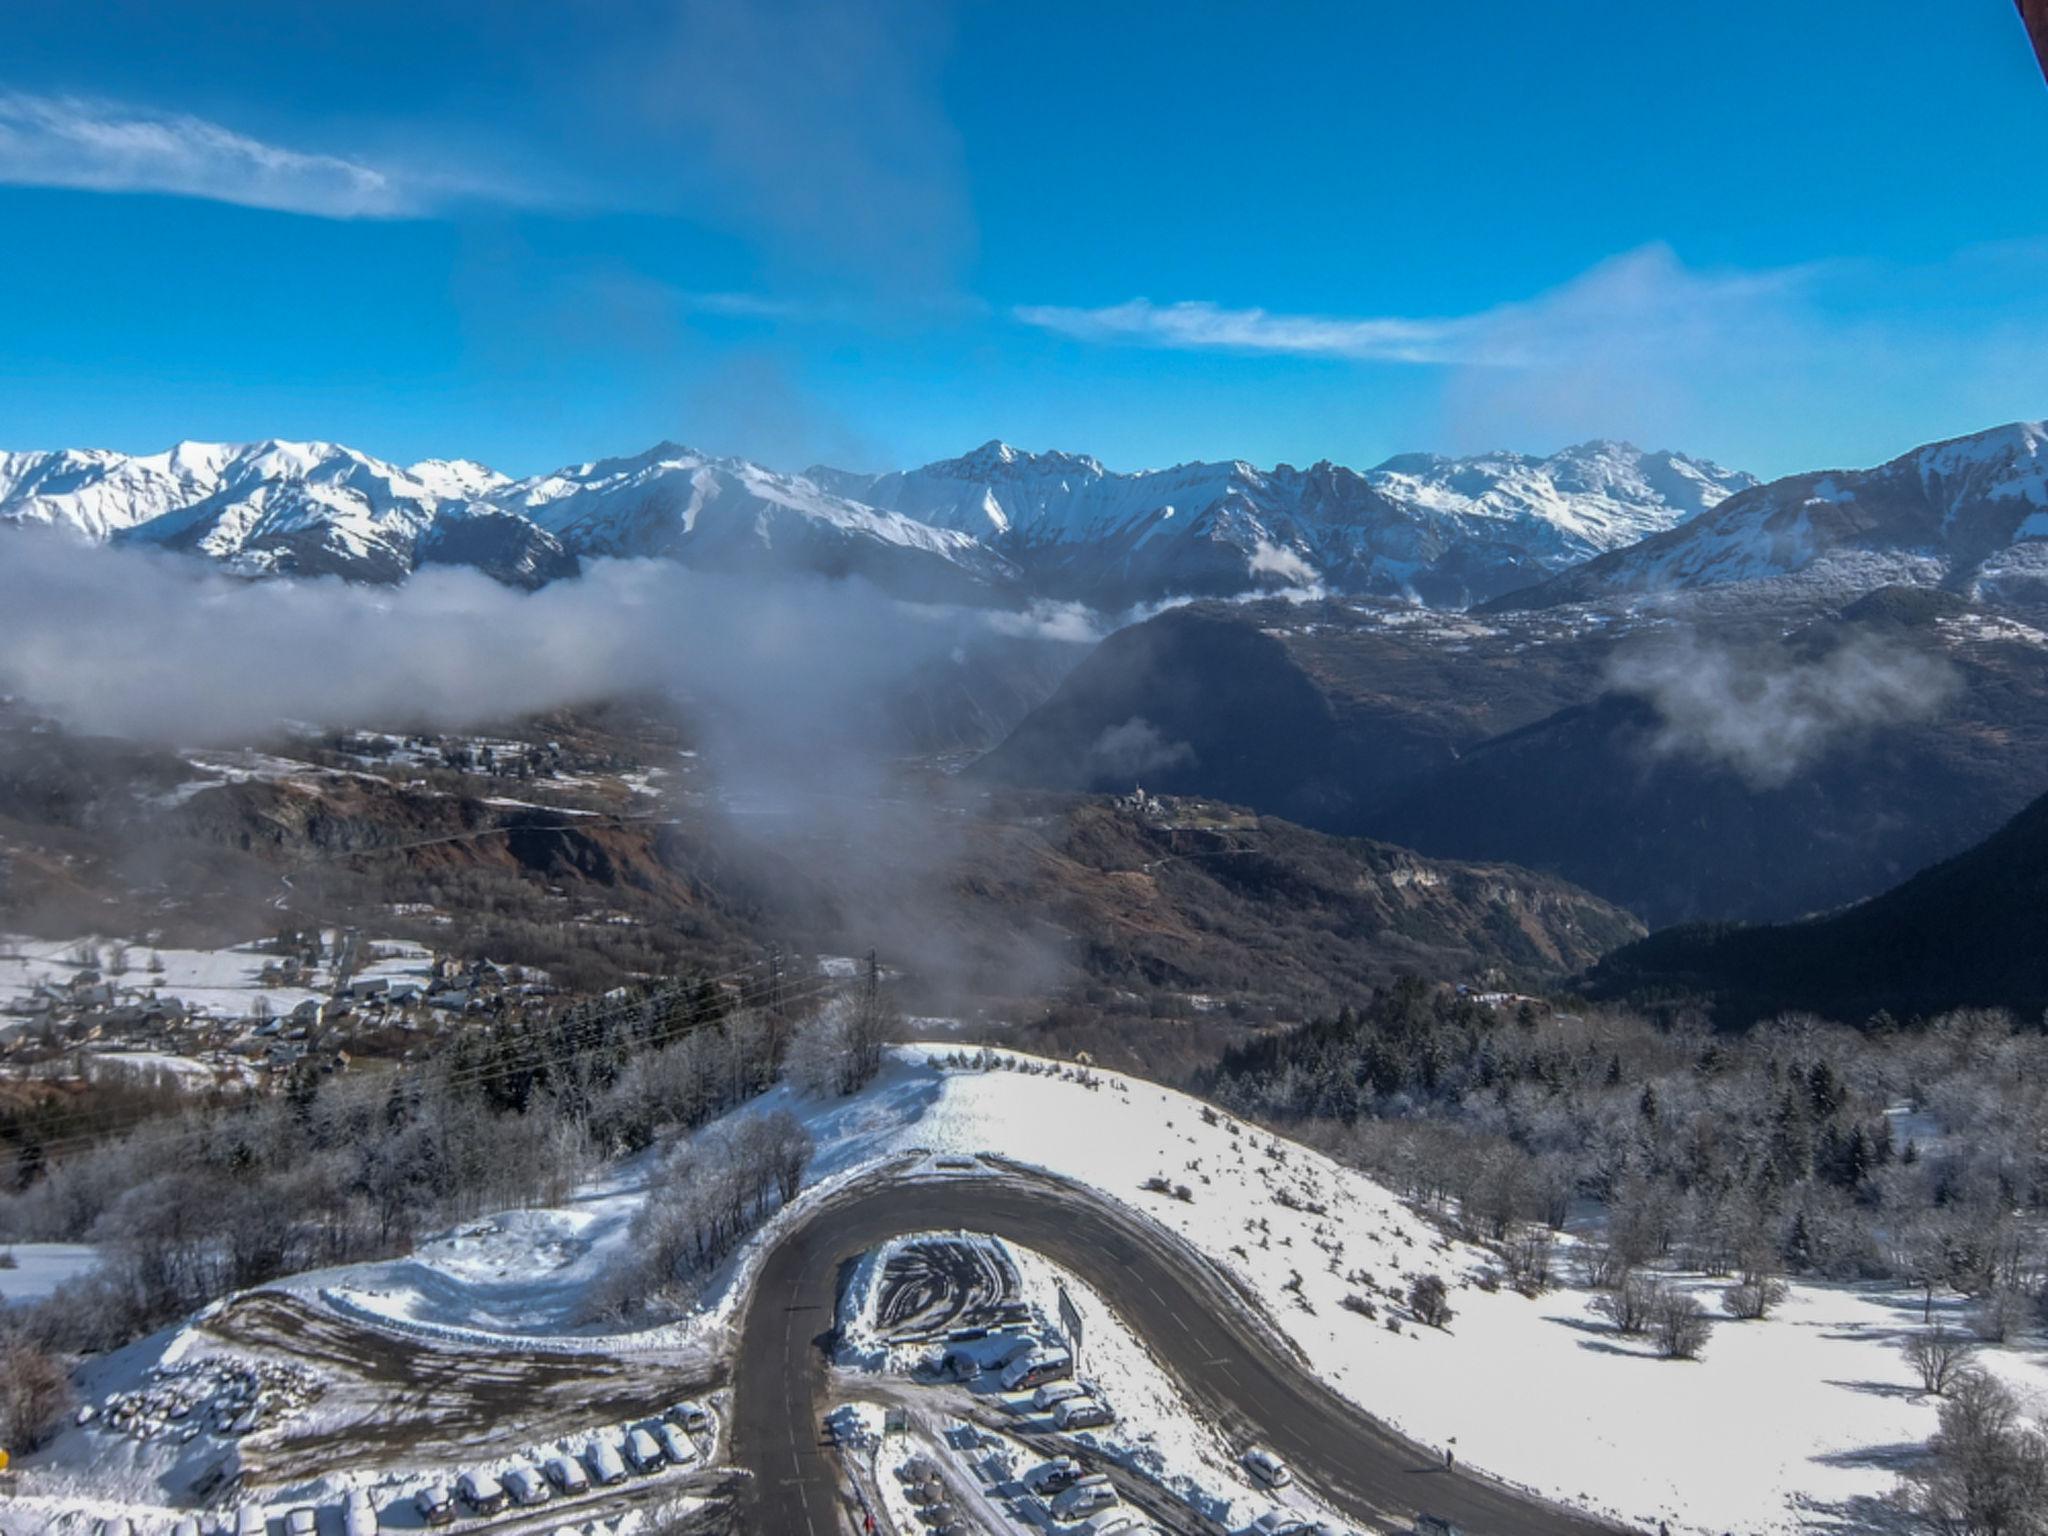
[[1786, 1424], [39, 1268]]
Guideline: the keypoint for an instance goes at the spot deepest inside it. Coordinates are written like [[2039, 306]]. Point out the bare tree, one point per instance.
[[1938, 1357], [2001, 1313], [35, 1391], [1986, 1471]]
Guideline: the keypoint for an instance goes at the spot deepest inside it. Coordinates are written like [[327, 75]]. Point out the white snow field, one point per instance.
[[1793, 1423]]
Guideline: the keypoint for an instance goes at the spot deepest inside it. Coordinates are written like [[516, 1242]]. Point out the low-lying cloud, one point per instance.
[[1136, 747], [136, 643], [1767, 715]]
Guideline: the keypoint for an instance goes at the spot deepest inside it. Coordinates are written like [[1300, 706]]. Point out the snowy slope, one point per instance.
[[1598, 495], [302, 509], [97, 494], [1951, 511]]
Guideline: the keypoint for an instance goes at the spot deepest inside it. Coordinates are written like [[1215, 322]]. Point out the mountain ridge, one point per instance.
[[995, 522]]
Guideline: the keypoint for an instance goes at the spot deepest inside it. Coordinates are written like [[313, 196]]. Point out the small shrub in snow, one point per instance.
[[1157, 1186], [1938, 1358], [1362, 1305], [1680, 1325], [1631, 1305], [1488, 1280], [1430, 1300], [8, 1260], [1753, 1296]]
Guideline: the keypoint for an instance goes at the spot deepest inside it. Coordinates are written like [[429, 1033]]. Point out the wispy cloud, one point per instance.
[[1198, 325], [105, 146], [1647, 294]]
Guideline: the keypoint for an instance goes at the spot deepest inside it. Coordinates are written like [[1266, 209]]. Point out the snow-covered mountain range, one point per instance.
[[998, 523], [1447, 531], [1969, 513]]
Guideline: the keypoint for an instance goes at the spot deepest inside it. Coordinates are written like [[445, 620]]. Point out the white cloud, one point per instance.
[[1646, 295], [1194, 324], [104, 146]]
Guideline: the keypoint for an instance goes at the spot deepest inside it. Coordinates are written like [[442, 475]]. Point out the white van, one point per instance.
[[1267, 1468]]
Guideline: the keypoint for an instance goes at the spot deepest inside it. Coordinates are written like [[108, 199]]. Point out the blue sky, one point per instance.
[[881, 231]]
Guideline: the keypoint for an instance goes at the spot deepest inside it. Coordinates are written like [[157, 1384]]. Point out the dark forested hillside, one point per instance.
[[1970, 932]]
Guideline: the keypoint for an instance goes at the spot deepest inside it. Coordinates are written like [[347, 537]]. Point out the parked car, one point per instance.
[[527, 1486], [1060, 1472], [1084, 1498], [435, 1504], [1082, 1413], [567, 1474], [603, 1461], [186, 1526], [1278, 1522], [643, 1452], [675, 1445], [358, 1514], [1037, 1368], [694, 1417], [250, 1521], [116, 1525], [302, 1522], [1053, 1393], [482, 1492], [1266, 1467], [1436, 1525]]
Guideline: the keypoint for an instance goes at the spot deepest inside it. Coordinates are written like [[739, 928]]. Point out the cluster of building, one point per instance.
[[307, 1006]]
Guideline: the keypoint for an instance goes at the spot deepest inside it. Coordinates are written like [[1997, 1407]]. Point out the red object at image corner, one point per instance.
[[2035, 14]]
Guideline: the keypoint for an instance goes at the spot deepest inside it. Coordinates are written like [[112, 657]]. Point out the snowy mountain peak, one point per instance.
[[1970, 510]]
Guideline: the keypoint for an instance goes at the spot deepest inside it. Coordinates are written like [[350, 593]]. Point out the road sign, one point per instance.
[[1070, 1319]]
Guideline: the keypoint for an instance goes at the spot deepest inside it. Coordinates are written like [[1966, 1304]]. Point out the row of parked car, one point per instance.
[[649, 1447]]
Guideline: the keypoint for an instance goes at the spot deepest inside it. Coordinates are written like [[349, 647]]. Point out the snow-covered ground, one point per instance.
[[1783, 1425], [39, 1268]]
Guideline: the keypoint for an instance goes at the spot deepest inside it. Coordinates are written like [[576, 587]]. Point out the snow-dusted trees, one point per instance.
[[1429, 1299], [709, 1194], [35, 1392], [1986, 1471], [840, 1051]]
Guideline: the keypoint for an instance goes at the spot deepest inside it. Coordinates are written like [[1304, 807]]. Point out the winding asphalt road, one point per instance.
[[1233, 1367]]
